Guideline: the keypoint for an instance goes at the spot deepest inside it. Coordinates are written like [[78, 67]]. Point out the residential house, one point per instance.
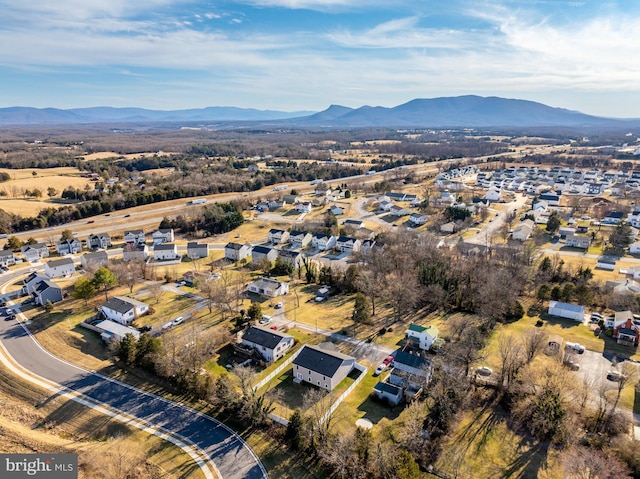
[[367, 246], [323, 242], [33, 253], [31, 281], [417, 219], [493, 194], [566, 231], [111, 331], [322, 190], [197, 250], [258, 253], [123, 309], [164, 235], [625, 329], [304, 207], [623, 286], [46, 291], [321, 367], [385, 205], [619, 189], [448, 227], [422, 336], [634, 219], [613, 218], [634, 248], [446, 198], [336, 210], [165, 252], [552, 199], [99, 241], [410, 371], [606, 262], [523, 231], [291, 257], [236, 251], [578, 241], [291, 199], [269, 287], [94, 260], [270, 344], [353, 223], [135, 252], [348, 245], [299, 239], [276, 236], [398, 211], [388, 392], [566, 310], [134, 237], [69, 246], [59, 267], [595, 188], [7, 258]]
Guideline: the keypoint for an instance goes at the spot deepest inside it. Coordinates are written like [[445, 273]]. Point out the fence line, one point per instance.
[[277, 371], [334, 406]]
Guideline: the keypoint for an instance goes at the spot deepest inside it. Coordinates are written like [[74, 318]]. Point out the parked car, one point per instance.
[[9, 311], [10, 317], [177, 321], [274, 327], [386, 361], [266, 319], [484, 371], [577, 347], [167, 325], [144, 329], [3, 303], [278, 305], [379, 369]]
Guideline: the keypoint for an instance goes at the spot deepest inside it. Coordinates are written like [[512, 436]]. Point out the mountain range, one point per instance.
[[461, 111]]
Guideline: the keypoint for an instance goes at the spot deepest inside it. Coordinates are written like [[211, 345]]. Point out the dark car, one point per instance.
[[126, 216], [144, 329], [10, 317], [3, 303]]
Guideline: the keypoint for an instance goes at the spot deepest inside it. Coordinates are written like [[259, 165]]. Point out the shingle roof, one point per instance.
[[412, 360], [60, 262], [44, 285], [119, 305], [264, 337], [387, 388], [262, 249], [233, 246], [321, 361], [164, 247]]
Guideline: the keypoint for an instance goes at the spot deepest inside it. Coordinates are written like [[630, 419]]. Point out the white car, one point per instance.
[[266, 319], [177, 321], [484, 371], [577, 347], [379, 369], [278, 305]]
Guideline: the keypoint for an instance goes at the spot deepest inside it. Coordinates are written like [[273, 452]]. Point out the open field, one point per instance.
[[61, 425]]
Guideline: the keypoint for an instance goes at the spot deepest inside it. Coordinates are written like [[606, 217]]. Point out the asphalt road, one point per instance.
[[230, 454]]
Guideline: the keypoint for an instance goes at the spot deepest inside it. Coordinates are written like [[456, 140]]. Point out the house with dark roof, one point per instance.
[[135, 252], [99, 241], [7, 258], [321, 367], [291, 257], [268, 287], [613, 218], [59, 267], [94, 260], [33, 253], [348, 245], [410, 371], [270, 344], [276, 236], [134, 237], [123, 309], [258, 253], [237, 251], [606, 262], [69, 246], [625, 330], [31, 281], [299, 239], [165, 252], [46, 291], [323, 242], [354, 223], [197, 250], [163, 235], [388, 392]]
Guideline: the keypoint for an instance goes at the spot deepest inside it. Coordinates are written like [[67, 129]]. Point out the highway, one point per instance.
[[231, 456]]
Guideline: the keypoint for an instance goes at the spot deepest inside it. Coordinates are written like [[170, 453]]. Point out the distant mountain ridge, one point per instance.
[[444, 112], [103, 114]]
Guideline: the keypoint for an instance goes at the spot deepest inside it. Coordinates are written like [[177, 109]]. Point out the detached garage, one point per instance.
[[566, 310]]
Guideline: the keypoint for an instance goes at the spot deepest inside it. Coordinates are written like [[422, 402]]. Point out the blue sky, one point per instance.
[[307, 54]]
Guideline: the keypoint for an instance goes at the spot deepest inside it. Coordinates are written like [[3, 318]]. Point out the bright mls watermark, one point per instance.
[[49, 466]]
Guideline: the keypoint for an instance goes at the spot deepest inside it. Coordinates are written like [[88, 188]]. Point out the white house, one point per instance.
[[523, 231], [346, 244], [422, 336], [304, 207], [493, 194], [605, 262], [69, 246], [276, 236], [123, 309], [323, 242], [165, 252], [99, 241], [7, 258], [268, 287], [135, 252], [134, 237], [34, 252], [417, 219], [59, 267], [385, 205], [321, 367], [566, 310], [578, 241], [111, 331], [634, 248], [237, 251], [164, 235], [398, 211], [270, 344], [299, 239], [291, 257], [258, 253]]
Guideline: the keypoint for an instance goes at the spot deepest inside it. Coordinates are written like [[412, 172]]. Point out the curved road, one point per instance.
[[232, 457]]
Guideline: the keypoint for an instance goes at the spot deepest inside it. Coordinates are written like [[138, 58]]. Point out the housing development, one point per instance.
[[408, 303]]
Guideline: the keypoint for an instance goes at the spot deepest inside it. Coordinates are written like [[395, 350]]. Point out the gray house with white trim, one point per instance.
[[321, 367], [270, 344]]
